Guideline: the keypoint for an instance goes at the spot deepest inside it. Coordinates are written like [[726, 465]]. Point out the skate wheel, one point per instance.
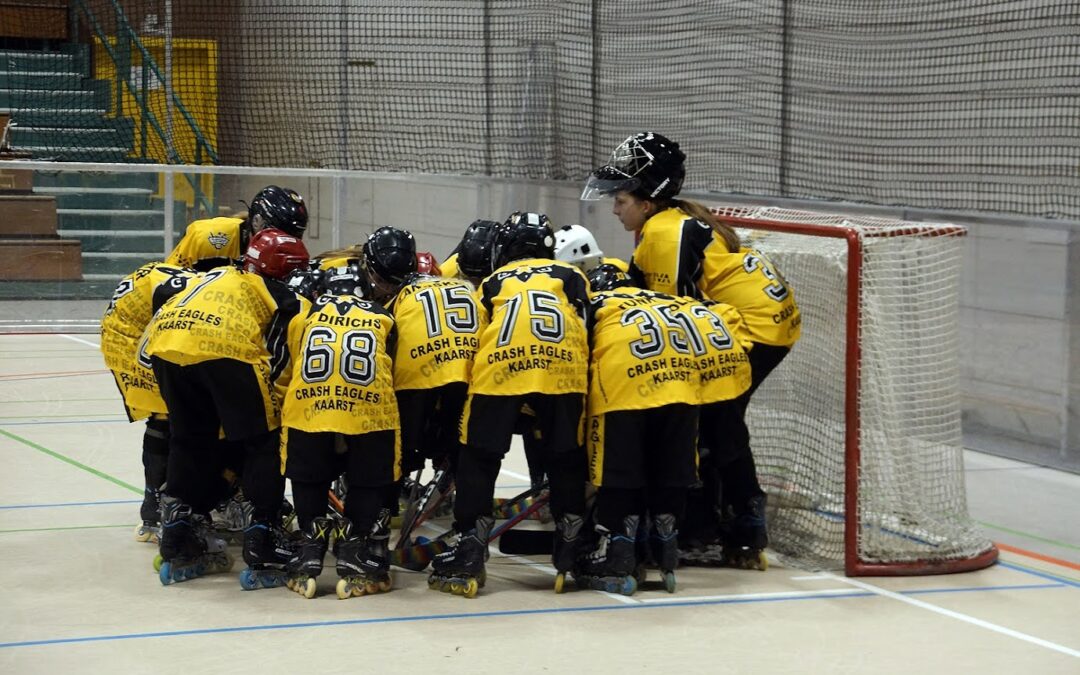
[[669, 582], [249, 580], [145, 534], [469, 589], [158, 560], [560, 582], [763, 561], [343, 590], [629, 586], [165, 573], [305, 588]]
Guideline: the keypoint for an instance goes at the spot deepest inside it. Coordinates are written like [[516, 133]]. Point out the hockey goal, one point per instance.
[[856, 434]]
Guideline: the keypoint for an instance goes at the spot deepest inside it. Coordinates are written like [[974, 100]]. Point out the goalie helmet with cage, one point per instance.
[[391, 254], [523, 235], [647, 165], [607, 277], [576, 245], [280, 208], [275, 254], [345, 280]]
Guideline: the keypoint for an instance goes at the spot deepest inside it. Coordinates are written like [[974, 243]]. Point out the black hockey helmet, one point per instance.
[[606, 277], [280, 208], [305, 281], [391, 254], [647, 165], [474, 252], [346, 280], [523, 235]]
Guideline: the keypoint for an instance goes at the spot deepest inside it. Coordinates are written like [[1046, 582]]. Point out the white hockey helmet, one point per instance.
[[576, 245]]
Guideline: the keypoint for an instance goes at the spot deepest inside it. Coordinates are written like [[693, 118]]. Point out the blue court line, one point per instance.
[[60, 504], [500, 613], [1038, 573]]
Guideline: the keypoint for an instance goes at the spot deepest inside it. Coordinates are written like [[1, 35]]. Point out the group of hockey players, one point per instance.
[[253, 363]]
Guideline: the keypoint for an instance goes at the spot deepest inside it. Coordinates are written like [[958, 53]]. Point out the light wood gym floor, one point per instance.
[[78, 594]]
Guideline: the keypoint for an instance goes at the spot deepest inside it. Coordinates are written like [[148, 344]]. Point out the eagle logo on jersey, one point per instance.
[[218, 240]]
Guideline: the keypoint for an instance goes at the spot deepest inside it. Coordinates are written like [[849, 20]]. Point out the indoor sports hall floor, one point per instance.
[[78, 594]]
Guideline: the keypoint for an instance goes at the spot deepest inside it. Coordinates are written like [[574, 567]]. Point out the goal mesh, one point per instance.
[[856, 434]]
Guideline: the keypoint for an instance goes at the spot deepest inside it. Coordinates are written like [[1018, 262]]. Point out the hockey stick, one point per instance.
[[418, 556], [421, 509]]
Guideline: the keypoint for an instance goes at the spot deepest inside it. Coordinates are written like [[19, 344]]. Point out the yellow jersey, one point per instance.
[[133, 303], [228, 313], [534, 337], [449, 268], [623, 266], [717, 339], [217, 240], [438, 328], [640, 357], [679, 255], [342, 372]]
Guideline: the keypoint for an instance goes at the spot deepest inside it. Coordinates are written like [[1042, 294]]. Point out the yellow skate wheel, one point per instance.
[[306, 588], [384, 585], [157, 562], [343, 590], [763, 561], [472, 587], [560, 581], [434, 584]]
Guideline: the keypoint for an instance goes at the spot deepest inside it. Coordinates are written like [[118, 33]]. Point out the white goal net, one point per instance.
[[856, 434]]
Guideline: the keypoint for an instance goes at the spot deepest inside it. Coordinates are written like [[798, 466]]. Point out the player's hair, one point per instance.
[[701, 212], [354, 251]]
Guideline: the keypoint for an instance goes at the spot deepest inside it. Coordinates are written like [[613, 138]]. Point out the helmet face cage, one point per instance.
[[576, 245], [523, 235], [280, 208], [391, 254], [274, 254], [647, 165], [607, 277], [305, 281], [346, 280]]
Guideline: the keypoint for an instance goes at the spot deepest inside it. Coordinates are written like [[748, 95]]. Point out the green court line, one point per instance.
[[62, 458], [70, 527], [1045, 540]]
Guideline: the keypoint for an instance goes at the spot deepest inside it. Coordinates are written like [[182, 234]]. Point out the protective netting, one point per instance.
[[967, 104], [910, 483]]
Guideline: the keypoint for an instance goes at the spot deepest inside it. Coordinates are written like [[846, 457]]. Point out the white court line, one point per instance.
[[957, 615], [748, 596], [515, 474], [85, 342]]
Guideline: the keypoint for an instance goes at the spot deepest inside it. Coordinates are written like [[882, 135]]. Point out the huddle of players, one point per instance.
[[380, 359]]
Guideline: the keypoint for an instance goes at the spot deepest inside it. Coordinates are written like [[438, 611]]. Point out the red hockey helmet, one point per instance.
[[426, 264], [273, 253]]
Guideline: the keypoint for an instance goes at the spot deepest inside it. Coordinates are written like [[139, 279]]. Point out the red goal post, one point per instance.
[[857, 434]]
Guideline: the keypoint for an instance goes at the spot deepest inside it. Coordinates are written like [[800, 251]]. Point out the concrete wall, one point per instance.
[[1020, 300]]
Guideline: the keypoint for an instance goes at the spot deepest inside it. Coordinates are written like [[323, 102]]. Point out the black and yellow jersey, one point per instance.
[[137, 297], [680, 255], [449, 268], [337, 261], [342, 371], [719, 342], [534, 338], [640, 357], [617, 262], [438, 326], [214, 240], [229, 314]]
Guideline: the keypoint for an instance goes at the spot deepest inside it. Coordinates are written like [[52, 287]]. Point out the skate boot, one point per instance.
[[308, 563], [612, 565], [363, 562], [188, 548], [267, 552], [744, 544], [150, 528], [664, 547], [460, 569], [565, 553], [232, 517]]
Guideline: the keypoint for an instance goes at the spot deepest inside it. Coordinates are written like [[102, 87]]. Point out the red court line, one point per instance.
[[34, 376], [1037, 556]]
